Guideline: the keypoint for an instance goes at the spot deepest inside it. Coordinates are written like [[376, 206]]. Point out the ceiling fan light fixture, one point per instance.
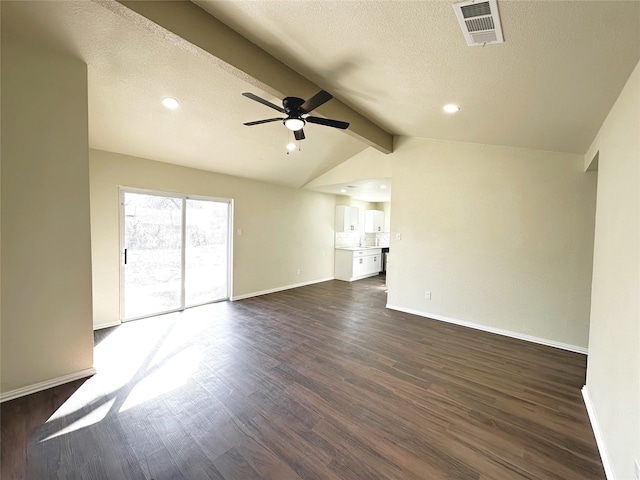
[[451, 108], [294, 124]]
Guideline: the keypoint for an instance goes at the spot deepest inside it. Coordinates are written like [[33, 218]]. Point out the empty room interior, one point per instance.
[[334, 239]]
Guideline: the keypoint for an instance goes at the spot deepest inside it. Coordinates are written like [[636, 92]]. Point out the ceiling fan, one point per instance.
[[297, 111]]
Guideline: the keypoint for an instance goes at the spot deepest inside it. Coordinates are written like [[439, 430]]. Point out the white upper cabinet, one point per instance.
[[373, 221], [347, 219]]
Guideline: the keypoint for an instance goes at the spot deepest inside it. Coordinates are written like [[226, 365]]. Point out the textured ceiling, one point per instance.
[[549, 86], [131, 68]]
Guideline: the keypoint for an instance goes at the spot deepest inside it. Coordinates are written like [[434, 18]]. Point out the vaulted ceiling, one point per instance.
[[391, 66]]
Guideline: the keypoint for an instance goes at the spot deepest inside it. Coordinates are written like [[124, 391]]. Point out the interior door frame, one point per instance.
[[122, 190]]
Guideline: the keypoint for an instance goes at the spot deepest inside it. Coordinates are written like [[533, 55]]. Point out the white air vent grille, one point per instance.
[[478, 24], [475, 9], [479, 21]]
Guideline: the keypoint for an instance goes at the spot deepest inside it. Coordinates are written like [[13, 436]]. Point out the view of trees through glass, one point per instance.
[[206, 251]]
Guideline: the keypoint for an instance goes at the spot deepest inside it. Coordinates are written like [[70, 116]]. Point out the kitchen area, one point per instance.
[[361, 241]]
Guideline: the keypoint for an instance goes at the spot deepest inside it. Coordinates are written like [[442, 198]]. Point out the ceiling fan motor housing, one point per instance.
[[294, 120], [292, 106]]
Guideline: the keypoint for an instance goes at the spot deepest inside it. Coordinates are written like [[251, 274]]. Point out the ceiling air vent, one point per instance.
[[479, 21]]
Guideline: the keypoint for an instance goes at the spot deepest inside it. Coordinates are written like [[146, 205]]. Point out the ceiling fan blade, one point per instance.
[[328, 122], [315, 101], [299, 134], [258, 122], [263, 101]]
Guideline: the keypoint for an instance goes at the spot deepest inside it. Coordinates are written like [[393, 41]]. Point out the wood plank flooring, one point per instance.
[[319, 382]]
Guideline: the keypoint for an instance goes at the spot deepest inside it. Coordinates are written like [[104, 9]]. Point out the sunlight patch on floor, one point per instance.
[[94, 416], [138, 362], [169, 375]]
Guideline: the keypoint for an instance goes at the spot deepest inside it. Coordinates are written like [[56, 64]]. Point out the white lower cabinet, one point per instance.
[[359, 268], [351, 264]]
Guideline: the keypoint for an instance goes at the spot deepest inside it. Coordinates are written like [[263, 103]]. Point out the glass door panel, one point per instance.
[[206, 252], [153, 254]]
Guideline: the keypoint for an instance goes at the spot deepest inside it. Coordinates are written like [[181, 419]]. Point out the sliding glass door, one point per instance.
[[175, 252]]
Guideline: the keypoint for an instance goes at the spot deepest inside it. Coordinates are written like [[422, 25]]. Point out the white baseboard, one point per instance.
[[100, 326], [498, 331], [54, 382], [593, 418], [279, 289]]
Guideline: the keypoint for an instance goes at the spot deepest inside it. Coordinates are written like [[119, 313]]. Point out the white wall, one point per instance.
[[283, 229], [46, 258], [613, 369], [501, 237]]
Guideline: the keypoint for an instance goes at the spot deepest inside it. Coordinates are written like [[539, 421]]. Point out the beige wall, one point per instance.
[[283, 229], [340, 200], [46, 258], [613, 370], [366, 165], [501, 237]]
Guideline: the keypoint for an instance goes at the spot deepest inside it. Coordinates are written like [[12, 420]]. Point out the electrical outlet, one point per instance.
[[398, 236], [427, 295], [298, 272], [239, 231]]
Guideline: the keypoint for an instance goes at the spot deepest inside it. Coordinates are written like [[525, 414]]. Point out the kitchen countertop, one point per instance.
[[358, 248]]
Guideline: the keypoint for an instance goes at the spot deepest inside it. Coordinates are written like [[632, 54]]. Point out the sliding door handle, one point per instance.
[[125, 256]]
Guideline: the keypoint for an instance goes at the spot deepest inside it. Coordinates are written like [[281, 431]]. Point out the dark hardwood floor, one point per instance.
[[320, 382]]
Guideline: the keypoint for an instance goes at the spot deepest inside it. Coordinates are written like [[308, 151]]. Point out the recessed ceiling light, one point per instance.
[[383, 186], [291, 146], [170, 103], [451, 108], [343, 190]]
